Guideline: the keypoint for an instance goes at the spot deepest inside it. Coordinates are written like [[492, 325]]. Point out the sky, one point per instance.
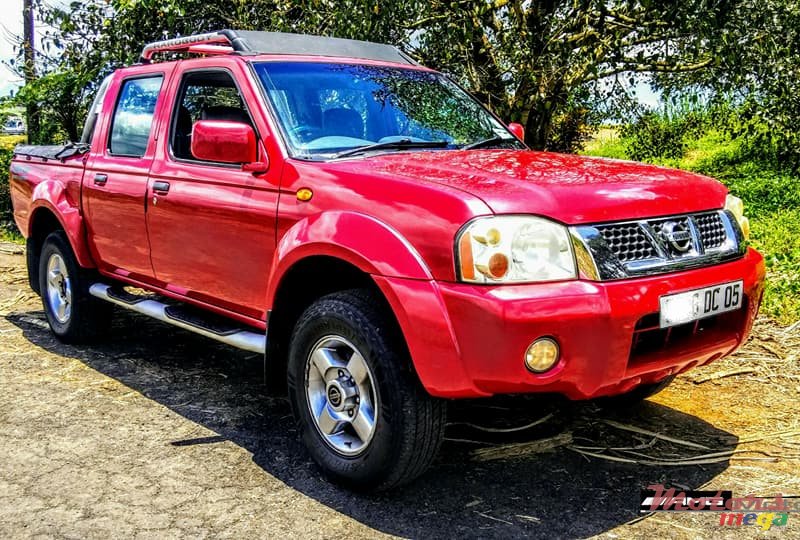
[[11, 27], [10, 32], [645, 95]]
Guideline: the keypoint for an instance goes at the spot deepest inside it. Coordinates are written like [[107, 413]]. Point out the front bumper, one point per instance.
[[608, 332]]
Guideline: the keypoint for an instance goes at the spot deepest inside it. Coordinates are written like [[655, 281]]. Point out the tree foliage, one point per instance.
[[757, 68], [62, 99], [660, 134], [547, 64]]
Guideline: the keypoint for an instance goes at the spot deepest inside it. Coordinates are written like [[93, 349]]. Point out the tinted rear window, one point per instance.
[[133, 116]]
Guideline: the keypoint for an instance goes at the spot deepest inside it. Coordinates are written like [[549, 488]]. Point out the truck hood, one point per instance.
[[568, 188]]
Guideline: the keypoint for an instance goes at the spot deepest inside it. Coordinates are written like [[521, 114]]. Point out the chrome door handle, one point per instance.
[[100, 179], [162, 188]]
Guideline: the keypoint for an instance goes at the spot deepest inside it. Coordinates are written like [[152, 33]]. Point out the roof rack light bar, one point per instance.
[[186, 43], [277, 43]]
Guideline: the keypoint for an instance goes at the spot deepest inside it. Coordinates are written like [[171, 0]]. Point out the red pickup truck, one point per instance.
[[384, 241]]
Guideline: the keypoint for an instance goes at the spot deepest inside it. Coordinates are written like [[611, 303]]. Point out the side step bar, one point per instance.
[[239, 338]]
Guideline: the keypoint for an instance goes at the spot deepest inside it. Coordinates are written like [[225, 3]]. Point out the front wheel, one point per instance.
[[363, 415], [73, 315]]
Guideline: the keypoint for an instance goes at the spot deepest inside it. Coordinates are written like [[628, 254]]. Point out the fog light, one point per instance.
[[541, 355]]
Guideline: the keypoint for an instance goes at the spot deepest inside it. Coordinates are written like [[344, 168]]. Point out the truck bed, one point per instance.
[[60, 167]]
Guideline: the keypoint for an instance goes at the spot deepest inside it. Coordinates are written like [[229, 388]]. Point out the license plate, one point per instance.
[[690, 306]]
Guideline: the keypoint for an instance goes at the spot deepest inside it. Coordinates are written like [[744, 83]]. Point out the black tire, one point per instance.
[[637, 395], [88, 317], [409, 425]]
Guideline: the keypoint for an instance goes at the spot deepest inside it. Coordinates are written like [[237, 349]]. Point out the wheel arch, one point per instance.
[[361, 240], [305, 281], [343, 250], [52, 207], [46, 218], [328, 252]]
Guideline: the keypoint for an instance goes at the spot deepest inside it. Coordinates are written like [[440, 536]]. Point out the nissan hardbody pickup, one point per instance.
[[383, 239]]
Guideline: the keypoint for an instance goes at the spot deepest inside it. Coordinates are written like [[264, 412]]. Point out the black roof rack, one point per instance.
[[250, 42]]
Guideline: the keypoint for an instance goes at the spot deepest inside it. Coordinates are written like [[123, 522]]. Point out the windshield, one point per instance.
[[328, 109]]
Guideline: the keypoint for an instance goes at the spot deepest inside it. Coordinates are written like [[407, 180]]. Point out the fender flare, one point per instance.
[[51, 195], [402, 277], [361, 240]]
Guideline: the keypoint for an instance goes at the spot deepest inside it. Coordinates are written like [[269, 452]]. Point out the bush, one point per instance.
[[570, 131], [661, 134], [775, 235], [5, 196], [7, 144], [605, 142], [653, 136]]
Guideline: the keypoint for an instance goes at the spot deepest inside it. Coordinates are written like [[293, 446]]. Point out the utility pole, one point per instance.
[[29, 69]]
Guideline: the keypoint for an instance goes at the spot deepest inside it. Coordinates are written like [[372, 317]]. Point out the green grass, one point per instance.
[[775, 235], [8, 231], [772, 201], [9, 234], [606, 143]]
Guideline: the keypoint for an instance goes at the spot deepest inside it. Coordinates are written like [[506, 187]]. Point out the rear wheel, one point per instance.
[[363, 415], [74, 316]]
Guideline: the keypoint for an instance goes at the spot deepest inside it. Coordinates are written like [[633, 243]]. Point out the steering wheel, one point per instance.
[[303, 131]]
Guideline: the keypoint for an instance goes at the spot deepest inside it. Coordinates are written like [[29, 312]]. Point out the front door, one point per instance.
[[211, 225]]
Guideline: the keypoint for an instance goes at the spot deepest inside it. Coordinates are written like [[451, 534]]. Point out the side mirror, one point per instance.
[[518, 130], [224, 142]]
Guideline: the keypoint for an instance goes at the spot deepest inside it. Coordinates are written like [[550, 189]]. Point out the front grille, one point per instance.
[[712, 230], [628, 242], [658, 245]]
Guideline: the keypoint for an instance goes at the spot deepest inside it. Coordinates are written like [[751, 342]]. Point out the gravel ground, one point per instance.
[[155, 432]]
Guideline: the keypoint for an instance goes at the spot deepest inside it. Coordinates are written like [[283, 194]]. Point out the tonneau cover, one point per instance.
[[56, 151]]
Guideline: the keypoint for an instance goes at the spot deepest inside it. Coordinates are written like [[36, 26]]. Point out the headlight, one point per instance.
[[514, 249], [735, 206]]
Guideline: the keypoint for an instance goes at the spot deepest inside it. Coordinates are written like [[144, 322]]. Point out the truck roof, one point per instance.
[[246, 42]]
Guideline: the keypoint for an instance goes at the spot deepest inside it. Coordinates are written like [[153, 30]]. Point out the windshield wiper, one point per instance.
[[402, 144], [487, 142]]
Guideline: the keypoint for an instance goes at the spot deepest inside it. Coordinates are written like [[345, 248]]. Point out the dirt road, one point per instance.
[[155, 433]]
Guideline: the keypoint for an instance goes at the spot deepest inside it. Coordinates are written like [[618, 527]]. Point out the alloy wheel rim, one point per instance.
[[342, 397], [59, 288]]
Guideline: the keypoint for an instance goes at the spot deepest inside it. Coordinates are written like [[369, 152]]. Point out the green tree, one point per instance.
[[532, 62], [528, 60], [757, 69], [61, 97], [541, 63]]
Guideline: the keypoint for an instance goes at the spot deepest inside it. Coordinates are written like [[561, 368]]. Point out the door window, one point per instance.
[[133, 116]]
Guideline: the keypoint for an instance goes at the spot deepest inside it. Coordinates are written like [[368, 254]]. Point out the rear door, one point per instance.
[[115, 182], [212, 225]]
